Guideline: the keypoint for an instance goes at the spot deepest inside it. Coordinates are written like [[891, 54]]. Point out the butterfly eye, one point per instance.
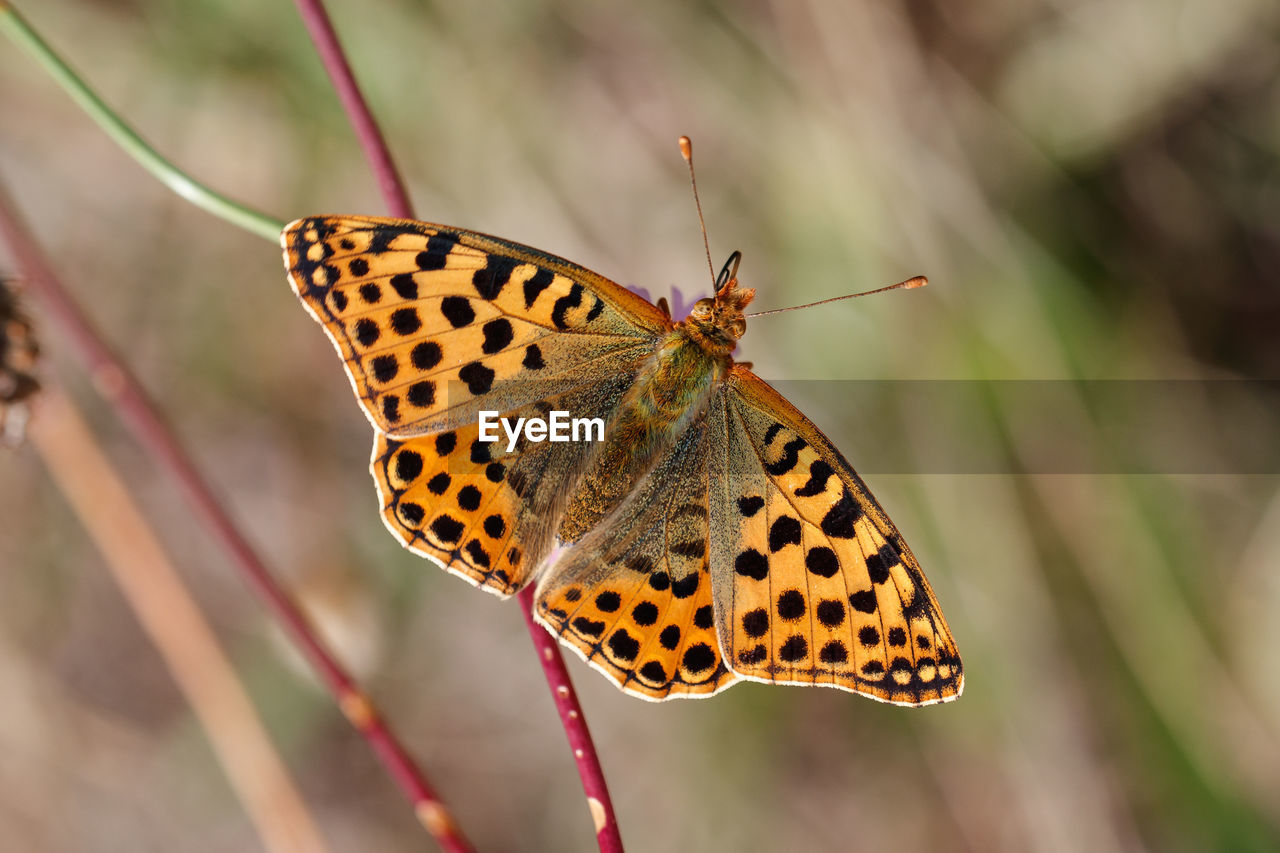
[[737, 327], [702, 308]]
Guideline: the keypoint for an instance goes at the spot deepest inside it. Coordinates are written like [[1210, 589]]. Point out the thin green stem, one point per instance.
[[17, 29]]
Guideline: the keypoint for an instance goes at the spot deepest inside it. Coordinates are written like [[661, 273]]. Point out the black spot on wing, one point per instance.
[[790, 456], [879, 563], [457, 310], [385, 367], [822, 561], [796, 648], [437, 252], [405, 321], [391, 408], [536, 283], [623, 645], [447, 529], [404, 286], [784, 531], [595, 309], [693, 548], [755, 623], [425, 355], [791, 605], [915, 603], [830, 612], [533, 357], [839, 520], [422, 394], [479, 378], [686, 586], [590, 627], [469, 498], [493, 276], [833, 652], [497, 334], [380, 240], [752, 564], [819, 473], [477, 553], [366, 332], [864, 601], [645, 613], [561, 308], [699, 658], [653, 672], [408, 466]]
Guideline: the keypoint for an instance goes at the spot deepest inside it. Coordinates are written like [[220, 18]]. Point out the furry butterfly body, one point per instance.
[[714, 535]]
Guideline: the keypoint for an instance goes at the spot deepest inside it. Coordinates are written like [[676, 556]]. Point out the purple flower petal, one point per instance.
[[679, 306]]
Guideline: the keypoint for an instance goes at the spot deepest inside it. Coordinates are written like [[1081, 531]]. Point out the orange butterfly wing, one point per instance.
[[436, 324], [813, 583]]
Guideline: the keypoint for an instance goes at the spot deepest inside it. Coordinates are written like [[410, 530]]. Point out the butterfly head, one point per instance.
[[717, 322]]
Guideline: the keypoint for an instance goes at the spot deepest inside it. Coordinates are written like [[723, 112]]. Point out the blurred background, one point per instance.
[[1094, 191]]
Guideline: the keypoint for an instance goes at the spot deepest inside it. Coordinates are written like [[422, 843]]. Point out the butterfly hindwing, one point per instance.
[[814, 585], [634, 596], [434, 323], [474, 507]]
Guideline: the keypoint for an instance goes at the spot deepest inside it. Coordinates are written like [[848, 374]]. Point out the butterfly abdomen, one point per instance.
[[670, 391]]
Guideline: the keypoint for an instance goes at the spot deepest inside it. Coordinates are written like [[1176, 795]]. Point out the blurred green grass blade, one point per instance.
[[20, 32]]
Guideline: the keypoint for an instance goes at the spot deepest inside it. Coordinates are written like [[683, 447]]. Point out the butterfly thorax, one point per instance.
[[670, 391]]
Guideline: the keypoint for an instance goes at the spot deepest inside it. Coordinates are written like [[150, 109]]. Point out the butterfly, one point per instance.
[[713, 535]]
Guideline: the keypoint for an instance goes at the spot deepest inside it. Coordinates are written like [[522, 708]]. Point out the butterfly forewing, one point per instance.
[[813, 583], [435, 324]]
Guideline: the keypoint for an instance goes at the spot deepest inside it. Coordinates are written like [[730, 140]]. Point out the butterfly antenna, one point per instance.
[[686, 151], [909, 284]]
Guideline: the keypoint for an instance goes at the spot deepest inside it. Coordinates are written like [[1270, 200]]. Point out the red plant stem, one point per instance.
[[575, 727], [316, 19], [114, 380], [397, 199]]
